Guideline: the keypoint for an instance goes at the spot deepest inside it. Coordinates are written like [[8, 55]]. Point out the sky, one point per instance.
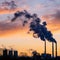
[[14, 35]]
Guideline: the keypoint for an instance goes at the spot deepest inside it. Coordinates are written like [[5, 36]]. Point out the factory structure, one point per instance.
[[53, 51], [8, 52], [14, 53]]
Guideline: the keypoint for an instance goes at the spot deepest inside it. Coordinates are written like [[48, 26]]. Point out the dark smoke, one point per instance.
[[40, 30], [36, 27], [22, 13], [27, 15], [16, 15]]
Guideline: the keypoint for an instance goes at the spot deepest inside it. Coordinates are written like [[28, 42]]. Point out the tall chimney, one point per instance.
[[53, 49], [56, 49], [45, 46]]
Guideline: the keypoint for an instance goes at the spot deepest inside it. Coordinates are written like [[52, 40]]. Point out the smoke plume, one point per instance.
[[40, 30]]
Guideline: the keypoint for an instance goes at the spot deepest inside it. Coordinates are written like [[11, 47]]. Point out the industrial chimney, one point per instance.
[[56, 49], [45, 47], [52, 49]]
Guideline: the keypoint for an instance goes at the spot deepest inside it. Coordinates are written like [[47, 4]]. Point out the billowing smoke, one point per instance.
[[40, 30], [20, 14]]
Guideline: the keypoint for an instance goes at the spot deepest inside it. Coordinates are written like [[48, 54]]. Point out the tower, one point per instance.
[[10, 53], [5, 52], [52, 49], [56, 49], [15, 53]]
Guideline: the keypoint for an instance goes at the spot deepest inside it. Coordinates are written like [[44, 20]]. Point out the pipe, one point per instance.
[[53, 49], [45, 47], [56, 49]]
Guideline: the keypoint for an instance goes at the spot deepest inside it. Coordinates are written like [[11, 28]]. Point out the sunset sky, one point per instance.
[[14, 35]]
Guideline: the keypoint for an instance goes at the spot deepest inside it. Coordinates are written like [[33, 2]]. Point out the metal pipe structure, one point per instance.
[[45, 46], [56, 49], [53, 49]]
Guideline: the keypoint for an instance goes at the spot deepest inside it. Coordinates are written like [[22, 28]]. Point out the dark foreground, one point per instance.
[[27, 58]]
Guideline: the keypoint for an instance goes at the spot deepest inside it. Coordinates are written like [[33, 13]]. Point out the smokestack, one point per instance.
[[53, 49], [45, 47], [56, 49]]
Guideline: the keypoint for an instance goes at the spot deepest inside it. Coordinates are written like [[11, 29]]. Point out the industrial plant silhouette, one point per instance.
[[13, 55], [40, 31]]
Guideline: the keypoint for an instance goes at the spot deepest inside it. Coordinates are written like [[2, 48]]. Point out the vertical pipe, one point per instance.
[[52, 49], [56, 49], [45, 47]]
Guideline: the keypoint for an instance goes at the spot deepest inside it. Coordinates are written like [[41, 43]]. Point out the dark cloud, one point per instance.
[[8, 5], [56, 16], [7, 26], [53, 21]]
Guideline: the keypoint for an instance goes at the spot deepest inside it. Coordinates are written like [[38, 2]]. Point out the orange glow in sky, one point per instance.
[[13, 34]]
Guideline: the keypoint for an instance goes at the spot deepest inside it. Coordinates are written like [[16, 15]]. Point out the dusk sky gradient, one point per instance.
[[13, 34]]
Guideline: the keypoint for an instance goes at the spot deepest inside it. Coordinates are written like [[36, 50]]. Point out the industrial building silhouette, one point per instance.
[[9, 54]]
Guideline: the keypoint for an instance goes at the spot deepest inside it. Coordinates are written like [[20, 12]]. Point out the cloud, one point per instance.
[[52, 0], [56, 16], [6, 26], [53, 20], [39, 6], [9, 11], [26, 7], [8, 5]]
